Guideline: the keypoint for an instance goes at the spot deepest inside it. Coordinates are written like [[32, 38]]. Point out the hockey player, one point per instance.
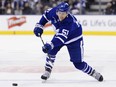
[[69, 34]]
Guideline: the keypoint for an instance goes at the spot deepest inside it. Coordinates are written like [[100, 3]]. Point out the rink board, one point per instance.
[[24, 24], [52, 33]]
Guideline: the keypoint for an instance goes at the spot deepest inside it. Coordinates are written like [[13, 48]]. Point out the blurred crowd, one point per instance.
[[110, 8], [33, 7], [37, 7]]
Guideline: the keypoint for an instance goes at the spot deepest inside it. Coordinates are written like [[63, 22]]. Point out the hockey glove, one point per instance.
[[38, 30], [47, 47]]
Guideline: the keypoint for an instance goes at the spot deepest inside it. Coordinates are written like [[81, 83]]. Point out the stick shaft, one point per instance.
[[42, 40]]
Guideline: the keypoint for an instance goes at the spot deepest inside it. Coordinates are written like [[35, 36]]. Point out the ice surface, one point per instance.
[[22, 62]]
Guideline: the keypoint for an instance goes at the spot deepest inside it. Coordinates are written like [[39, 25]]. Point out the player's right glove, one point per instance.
[[47, 47], [38, 30]]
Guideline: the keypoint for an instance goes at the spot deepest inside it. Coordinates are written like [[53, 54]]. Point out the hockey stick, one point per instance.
[[42, 40]]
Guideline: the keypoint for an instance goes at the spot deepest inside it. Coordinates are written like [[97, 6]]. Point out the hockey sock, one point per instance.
[[49, 62], [83, 66]]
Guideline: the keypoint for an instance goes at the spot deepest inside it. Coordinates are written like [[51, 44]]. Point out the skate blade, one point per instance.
[[44, 81]]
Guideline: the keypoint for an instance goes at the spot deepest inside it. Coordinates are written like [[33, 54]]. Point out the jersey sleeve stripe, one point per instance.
[[60, 39], [45, 17], [61, 35], [39, 25], [74, 39]]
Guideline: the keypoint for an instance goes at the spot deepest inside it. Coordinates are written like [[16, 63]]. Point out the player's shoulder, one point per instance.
[[74, 22], [70, 20], [71, 16], [51, 11]]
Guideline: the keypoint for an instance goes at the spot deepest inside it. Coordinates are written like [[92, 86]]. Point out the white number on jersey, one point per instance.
[[65, 32]]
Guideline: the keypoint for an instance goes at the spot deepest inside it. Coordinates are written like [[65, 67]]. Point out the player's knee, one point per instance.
[[50, 58], [79, 65]]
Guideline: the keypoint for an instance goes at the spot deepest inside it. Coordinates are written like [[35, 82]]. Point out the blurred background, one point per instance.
[[20, 16], [37, 7]]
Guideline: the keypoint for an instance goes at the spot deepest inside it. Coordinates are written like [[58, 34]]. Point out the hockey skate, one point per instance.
[[97, 76], [46, 74]]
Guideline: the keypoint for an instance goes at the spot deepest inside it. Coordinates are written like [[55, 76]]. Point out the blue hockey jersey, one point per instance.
[[67, 31]]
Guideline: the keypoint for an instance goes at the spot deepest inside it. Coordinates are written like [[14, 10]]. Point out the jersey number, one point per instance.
[[65, 32]]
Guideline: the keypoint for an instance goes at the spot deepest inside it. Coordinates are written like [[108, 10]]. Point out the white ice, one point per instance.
[[22, 61]]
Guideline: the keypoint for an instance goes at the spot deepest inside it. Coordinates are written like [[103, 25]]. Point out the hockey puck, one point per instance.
[[15, 84]]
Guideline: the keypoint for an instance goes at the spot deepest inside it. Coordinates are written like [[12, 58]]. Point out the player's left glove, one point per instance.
[[47, 47]]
